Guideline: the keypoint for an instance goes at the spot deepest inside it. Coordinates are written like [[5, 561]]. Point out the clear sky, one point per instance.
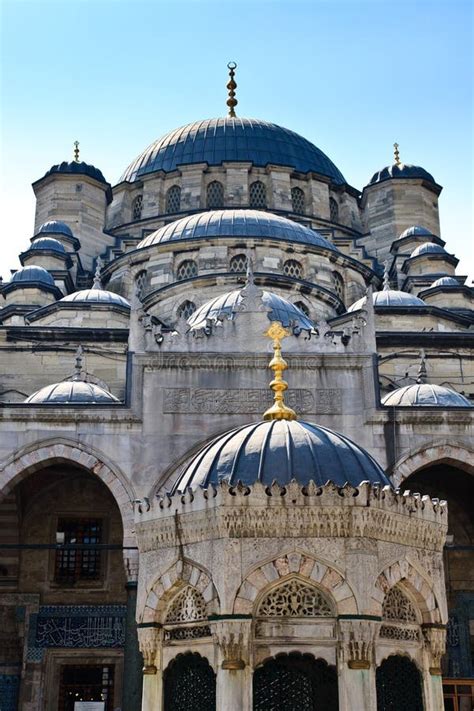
[[352, 76]]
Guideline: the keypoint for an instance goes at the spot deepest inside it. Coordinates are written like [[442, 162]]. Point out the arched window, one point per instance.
[[338, 285], [215, 194], [187, 606], [333, 210], [400, 620], [137, 207], [189, 683], [140, 284], [258, 194], [186, 270], [238, 263], [302, 307], [186, 309], [294, 598], [173, 199], [295, 681], [293, 268], [297, 201], [398, 685]]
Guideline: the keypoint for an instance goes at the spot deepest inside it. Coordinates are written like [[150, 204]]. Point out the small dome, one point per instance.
[[425, 395], [404, 171], [281, 450], [416, 231], [54, 227], [225, 305], [236, 223], [428, 248], [389, 297], [32, 274], [96, 296], [445, 281], [72, 392], [48, 244], [77, 168]]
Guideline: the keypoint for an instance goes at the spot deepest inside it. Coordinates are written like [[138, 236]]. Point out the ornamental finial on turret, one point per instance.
[[97, 280], [76, 151], [78, 364], [396, 153], [278, 411], [231, 87], [422, 374], [386, 276]]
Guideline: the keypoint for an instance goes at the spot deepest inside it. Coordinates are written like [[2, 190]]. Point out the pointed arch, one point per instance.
[[419, 585], [453, 453]]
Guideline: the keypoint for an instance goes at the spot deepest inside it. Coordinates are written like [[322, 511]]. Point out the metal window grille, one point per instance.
[[338, 285], [238, 263], [398, 685], [333, 210], [298, 201], [137, 207], [140, 283], [186, 309], [186, 270], [189, 683], [293, 268], [302, 307], [78, 564], [173, 199], [258, 194], [215, 194]]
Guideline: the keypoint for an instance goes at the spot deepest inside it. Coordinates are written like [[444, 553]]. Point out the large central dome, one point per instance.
[[214, 141]]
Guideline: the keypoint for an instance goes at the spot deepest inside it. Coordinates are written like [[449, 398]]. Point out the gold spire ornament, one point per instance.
[[231, 87], [76, 151], [278, 411], [396, 153]]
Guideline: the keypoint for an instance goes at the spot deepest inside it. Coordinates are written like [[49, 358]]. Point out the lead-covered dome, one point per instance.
[[401, 171], [32, 274], [47, 244], [96, 296], [427, 248], [55, 227], [444, 281], [214, 141], [391, 298], [425, 395], [77, 168], [281, 450], [416, 231], [236, 223], [72, 392]]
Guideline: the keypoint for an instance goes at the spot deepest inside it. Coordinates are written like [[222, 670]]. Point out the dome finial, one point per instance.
[[76, 151], [396, 153], [422, 374], [97, 280], [78, 365], [386, 276], [278, 411], [231, 87]]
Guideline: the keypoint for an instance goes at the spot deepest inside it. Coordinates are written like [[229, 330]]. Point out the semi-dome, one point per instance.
[[72, 392], [224, 306], [281, 450], [401, 171], [47, 244], [54, 227], [425, 395], [389, 297], [32, 274], [76, 168], [448, 281], [214, 141], [427, 248], [96, 296], [236, 223]]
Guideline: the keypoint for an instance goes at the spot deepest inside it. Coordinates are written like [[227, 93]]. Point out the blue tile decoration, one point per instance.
[[9, 688]]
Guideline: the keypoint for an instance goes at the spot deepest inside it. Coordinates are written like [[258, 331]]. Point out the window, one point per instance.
[[173, 200], [73, 564], [140, 284], [189, 682], [333, 210], [186, 270], [215, 194], [297, 201], [238, 263], [186, 309], [294, 598], [258, 194], [187, 606], [293, 268], [86, 683], [137, 207], [302, 307], [398, 685], [338, 285]]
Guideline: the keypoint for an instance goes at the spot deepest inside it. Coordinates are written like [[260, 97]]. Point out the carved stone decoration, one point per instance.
[[397, 606], [401, 634], [149, 640], [187, 606], [233, 636], [435, 643], [356, 642], [294, 598]]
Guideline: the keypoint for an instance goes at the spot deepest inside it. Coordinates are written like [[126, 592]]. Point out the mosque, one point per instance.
[[236, 436]]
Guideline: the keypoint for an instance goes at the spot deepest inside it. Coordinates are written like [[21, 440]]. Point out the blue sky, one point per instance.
[[351, 76]]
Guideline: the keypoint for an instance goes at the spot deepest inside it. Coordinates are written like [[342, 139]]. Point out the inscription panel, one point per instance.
[[252, 401]]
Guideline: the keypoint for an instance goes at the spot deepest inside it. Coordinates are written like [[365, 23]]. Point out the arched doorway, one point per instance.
[[295, 682], [189, 684], [399, 685]]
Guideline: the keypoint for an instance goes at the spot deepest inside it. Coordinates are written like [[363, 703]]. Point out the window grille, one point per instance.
[[187, 606], [398, 685], [397, 606], [238, 263], [298, 201], [215, 194], [78, 563], [333, 210], [294, 599], [293, 268], [173, 199], [137, 207], [302, 307], [186, 309], [189, 683], [338, 285], [140, 284], [258, 194], [186, 270]]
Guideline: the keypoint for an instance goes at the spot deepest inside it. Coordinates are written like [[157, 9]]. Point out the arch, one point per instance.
[[333, 210], [187, 269], [215, 195], [186, 309], [294, 597], [295, 564], [238, 263], [173, 200], [137, 206], [419, 585], [141, 283], [295, 681], [338, 285], [399, 686], [453, 453], [189, 682], [298, 201], [258, 194], [293, 268]]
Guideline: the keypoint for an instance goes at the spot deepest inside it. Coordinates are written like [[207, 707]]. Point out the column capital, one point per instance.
[[435, 644], [356, 642], [232, 637], [149, 639]]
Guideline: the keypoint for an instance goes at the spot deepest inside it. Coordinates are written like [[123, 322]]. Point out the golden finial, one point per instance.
[[396, 153], [232, 86], [76, 151], [278, 411]]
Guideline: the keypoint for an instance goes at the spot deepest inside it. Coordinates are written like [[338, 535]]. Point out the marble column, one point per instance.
[[132, 659], [234, 676], [434, 647], [356, 667], [149, 637]]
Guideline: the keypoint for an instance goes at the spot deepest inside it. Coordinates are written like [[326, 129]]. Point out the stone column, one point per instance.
[[234, 677], [356, 664], [132, 662], [150, 640], [434, 647]]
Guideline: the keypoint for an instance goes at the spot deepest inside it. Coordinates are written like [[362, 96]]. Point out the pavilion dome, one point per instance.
[[48, 244], [32, 274], [76, 168], [416, 231], [214, 141], [95, 296], [425, 395], [280, 451], [448, 281], [401, 171], [389, 297], [72, 392], [54, 227], [427, 248]]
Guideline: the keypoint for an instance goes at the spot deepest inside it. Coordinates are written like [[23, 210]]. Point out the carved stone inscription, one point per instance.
[[248, 401]]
